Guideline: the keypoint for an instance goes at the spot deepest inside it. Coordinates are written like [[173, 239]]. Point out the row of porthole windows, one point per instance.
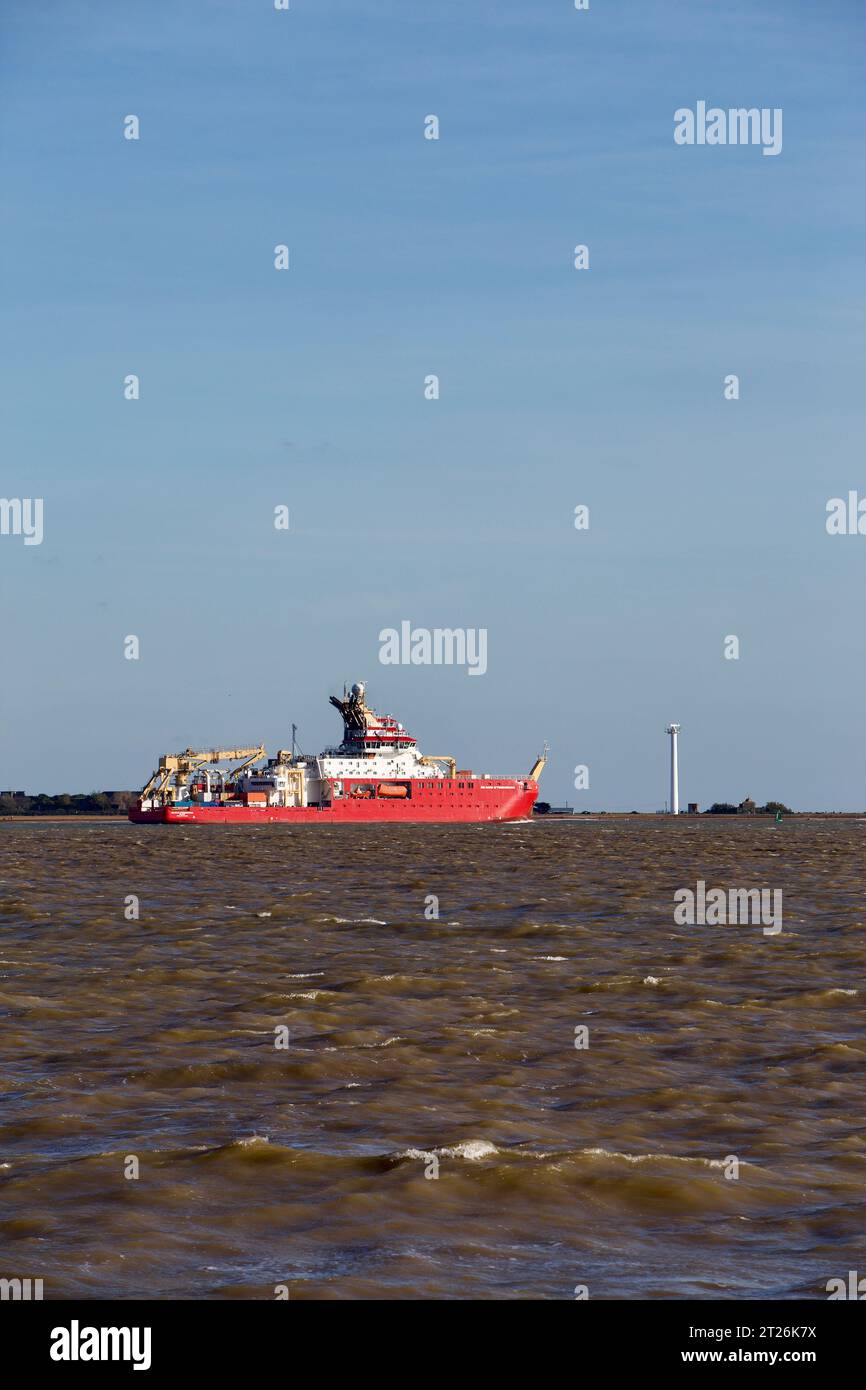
[[438, 785]]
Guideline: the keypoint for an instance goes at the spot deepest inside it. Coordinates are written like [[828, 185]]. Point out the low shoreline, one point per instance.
[[702, 817]]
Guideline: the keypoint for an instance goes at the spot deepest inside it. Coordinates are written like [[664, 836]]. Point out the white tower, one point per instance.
[[673, 730]]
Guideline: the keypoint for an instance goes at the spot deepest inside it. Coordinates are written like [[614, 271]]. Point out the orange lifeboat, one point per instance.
[[398, 789]]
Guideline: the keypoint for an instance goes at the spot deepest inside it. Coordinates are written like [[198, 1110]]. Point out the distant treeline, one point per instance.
[[77, 804]]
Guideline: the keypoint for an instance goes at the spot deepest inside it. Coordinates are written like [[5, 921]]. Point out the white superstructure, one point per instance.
[[374, 748]]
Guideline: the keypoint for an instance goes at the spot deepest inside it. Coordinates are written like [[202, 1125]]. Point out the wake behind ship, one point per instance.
[[377, 773]]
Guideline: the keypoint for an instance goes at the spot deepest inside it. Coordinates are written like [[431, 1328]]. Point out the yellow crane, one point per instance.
[[181, 764], [442, 758], [540, 763], [537, 767]]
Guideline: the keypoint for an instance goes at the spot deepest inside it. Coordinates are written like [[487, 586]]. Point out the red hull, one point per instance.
[[447, 800]]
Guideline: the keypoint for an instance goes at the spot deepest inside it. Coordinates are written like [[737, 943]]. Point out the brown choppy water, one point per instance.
[[410, 1037]]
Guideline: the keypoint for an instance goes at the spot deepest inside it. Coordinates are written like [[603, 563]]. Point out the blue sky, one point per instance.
[[558, 387]]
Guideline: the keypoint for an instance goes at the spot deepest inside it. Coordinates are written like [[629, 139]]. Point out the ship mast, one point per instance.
[[356, 714]]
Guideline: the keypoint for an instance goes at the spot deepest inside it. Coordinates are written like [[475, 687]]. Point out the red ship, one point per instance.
[[376, 774]]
